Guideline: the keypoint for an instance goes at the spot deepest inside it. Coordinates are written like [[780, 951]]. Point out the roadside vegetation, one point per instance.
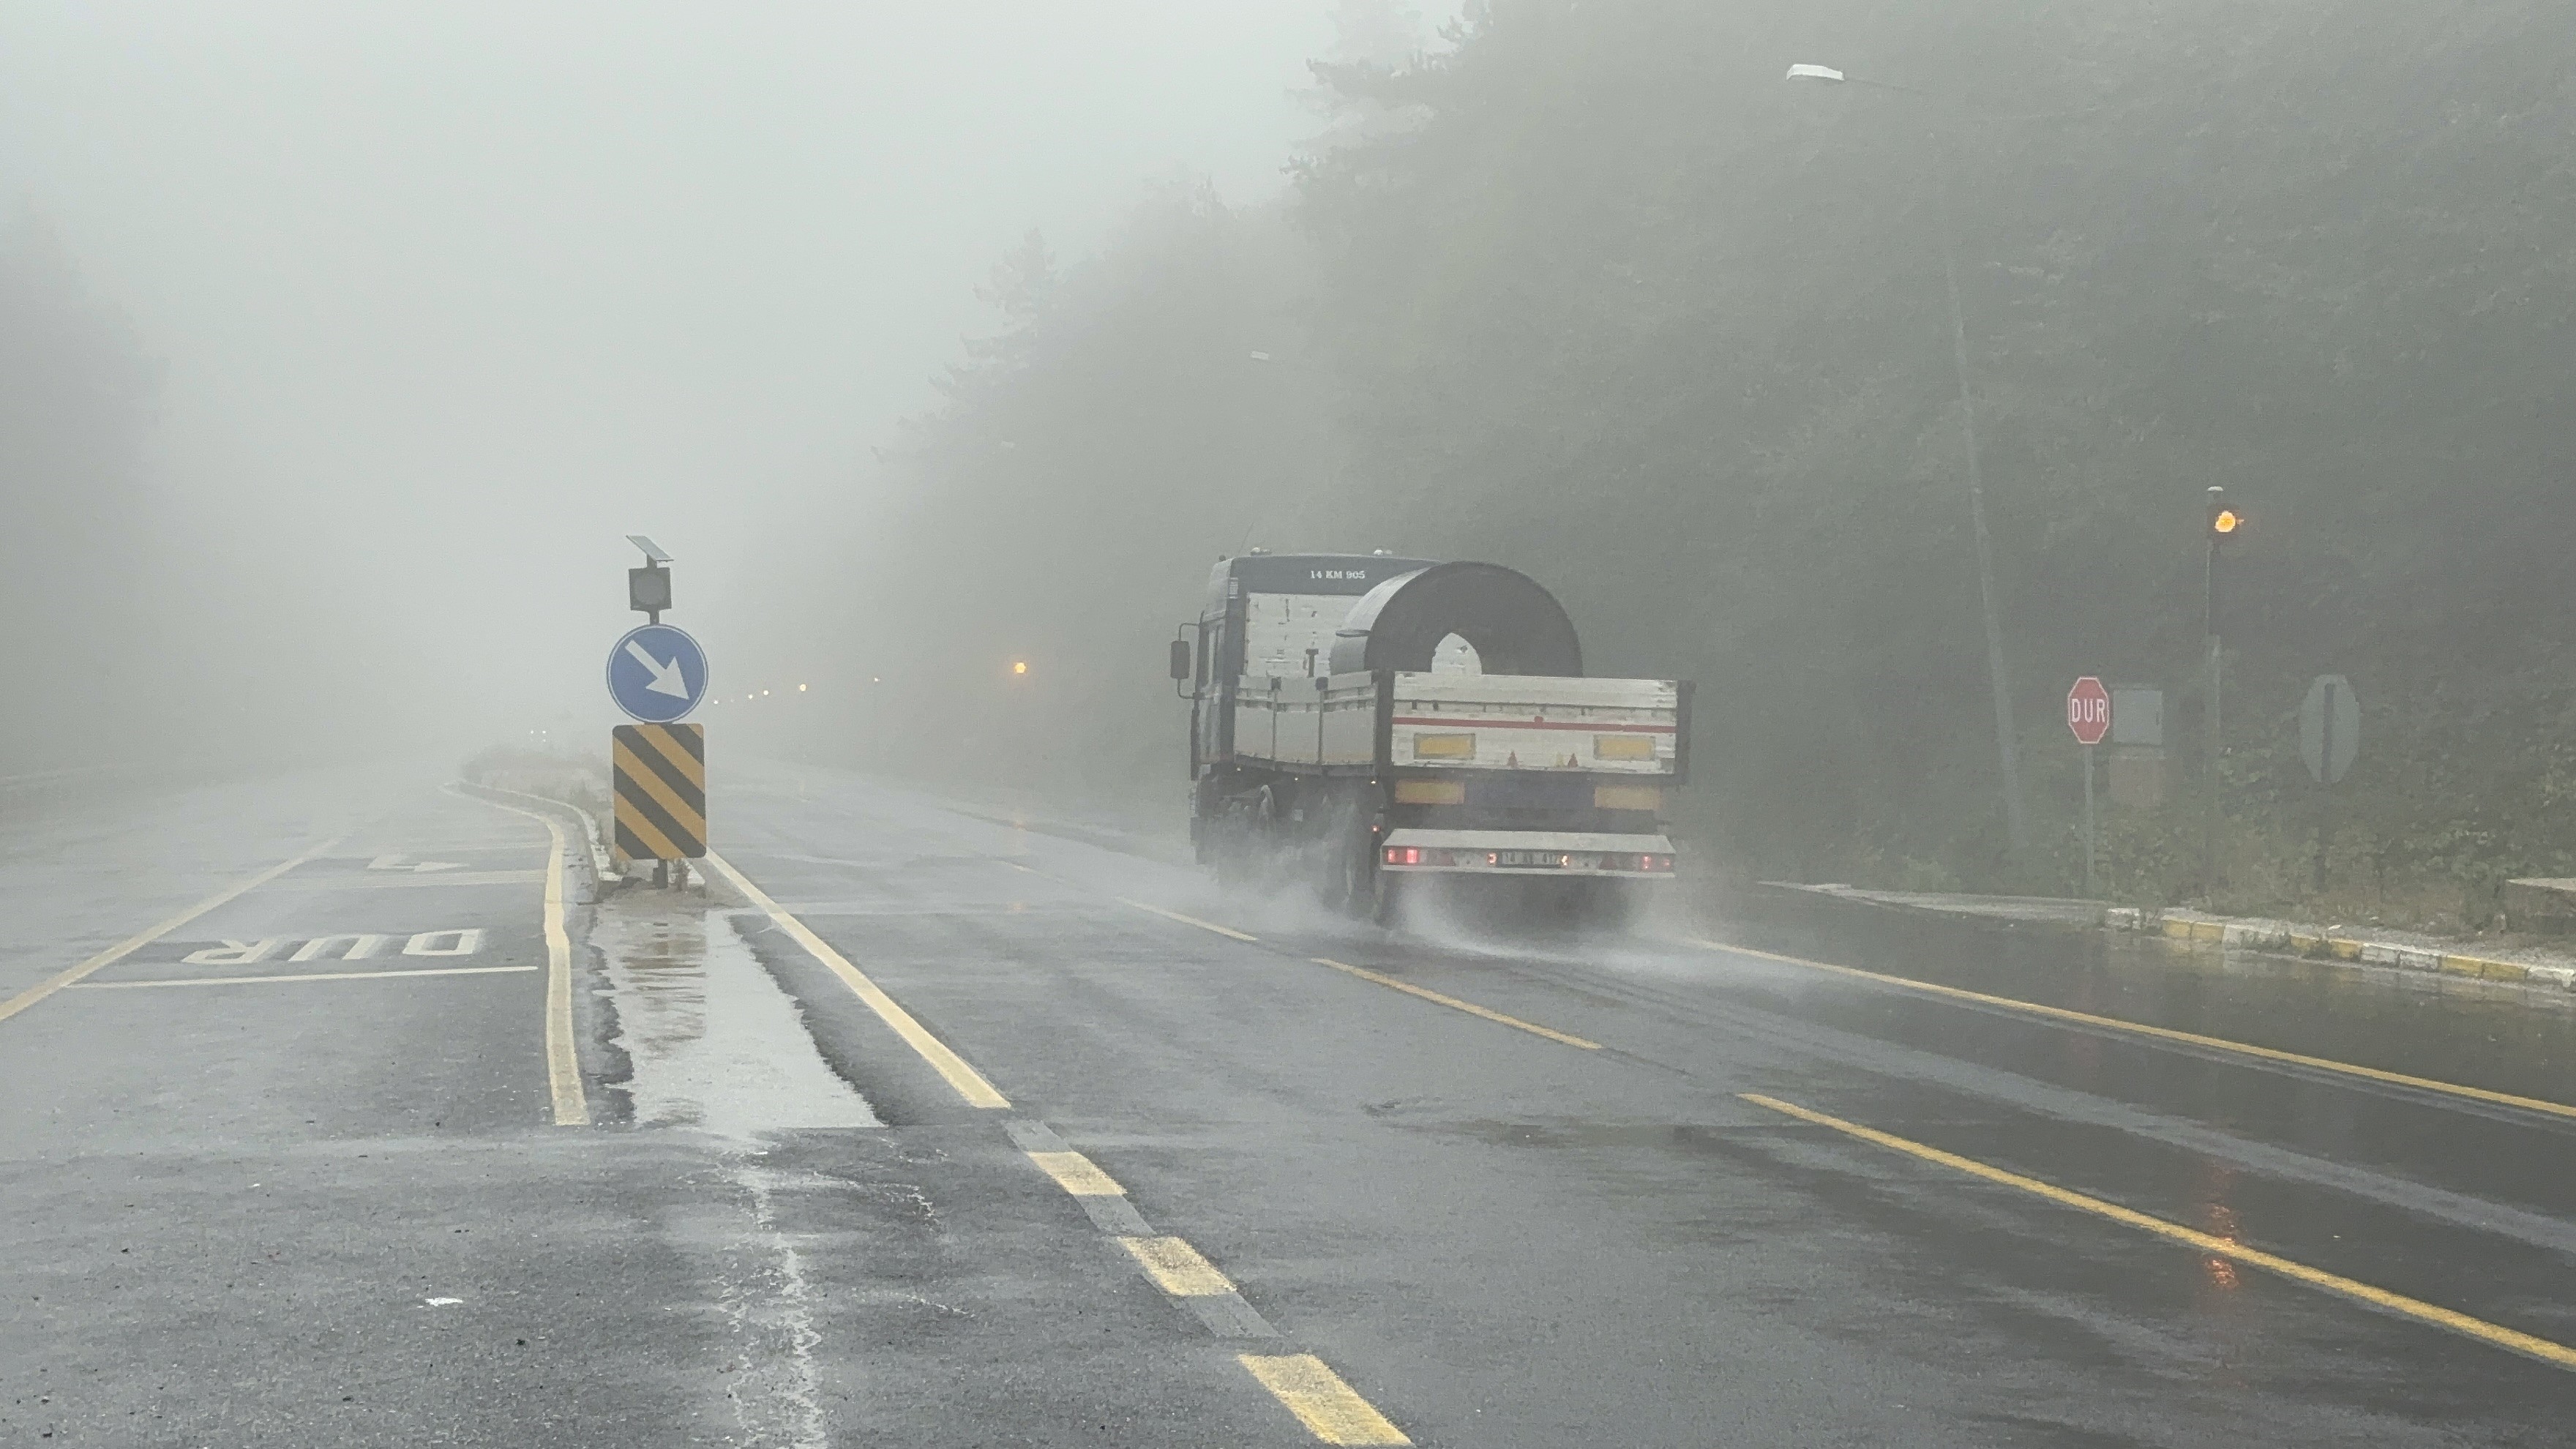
[[1589, 290]]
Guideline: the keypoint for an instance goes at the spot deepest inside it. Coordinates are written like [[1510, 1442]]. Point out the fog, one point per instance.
[[438, 301], [343, 344]]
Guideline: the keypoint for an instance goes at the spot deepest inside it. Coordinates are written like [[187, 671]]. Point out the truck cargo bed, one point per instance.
[[1462, 721]]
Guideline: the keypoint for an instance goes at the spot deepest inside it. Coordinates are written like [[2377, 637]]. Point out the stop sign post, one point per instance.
[[2088, 715]]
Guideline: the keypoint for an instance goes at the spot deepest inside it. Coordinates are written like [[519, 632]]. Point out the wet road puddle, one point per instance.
[[712, 1040]]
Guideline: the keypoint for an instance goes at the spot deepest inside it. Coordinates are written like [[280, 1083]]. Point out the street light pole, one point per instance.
[[2223, 524], [2007, 748]]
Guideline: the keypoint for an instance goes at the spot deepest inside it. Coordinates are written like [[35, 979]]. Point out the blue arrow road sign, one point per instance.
[[657, 673]]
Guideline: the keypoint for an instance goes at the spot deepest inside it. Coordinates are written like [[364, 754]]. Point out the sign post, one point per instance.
[[2329, 738], [2088, 715], [657, 674]]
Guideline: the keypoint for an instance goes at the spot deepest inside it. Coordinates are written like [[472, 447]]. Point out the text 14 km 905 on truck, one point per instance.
[[1385, 726]]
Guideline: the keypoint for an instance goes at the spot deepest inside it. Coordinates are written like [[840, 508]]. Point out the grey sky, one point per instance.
[[490, 285]]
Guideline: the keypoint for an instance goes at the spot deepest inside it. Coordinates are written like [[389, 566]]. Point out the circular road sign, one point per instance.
[[2088, 710], [657, 673]]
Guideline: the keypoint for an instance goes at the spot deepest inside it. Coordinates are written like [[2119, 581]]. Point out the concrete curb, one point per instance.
[[601, 872], [2317, 942]]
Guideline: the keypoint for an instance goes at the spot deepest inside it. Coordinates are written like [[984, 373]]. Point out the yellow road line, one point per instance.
[[1469, 1007], [1331, 1410], [1186, 920], [138, 941], [2164, 1033], [2478, 1328], [1176, 1267], [1077, 1174], [304, 976], [563, 1056], [952, 1068]]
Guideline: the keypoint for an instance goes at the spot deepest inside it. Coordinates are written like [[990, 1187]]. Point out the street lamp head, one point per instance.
[[1813, 72], [2223, 520]]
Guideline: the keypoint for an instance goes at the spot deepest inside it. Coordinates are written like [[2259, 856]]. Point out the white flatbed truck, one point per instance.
[[1372, 724]]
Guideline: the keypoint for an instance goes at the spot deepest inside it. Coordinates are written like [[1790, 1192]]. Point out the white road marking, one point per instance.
[[232, 953], [468, 941], [361, 947], [298, 976], [395, 862]]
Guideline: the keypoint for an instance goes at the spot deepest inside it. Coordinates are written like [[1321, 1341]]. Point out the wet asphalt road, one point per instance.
[[236, 1210]]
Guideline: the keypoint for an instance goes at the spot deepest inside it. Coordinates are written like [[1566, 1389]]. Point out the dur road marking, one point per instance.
[[300, 976], [454, 941], [2557, 1354], [1331, 1410], [563, 1057], [952, 1068], [2164, 1033], [138, 941]]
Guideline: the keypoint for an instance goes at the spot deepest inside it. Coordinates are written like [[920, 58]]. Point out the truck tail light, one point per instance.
[[1404, 855]]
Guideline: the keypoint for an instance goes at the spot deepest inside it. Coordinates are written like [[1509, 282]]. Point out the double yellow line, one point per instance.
[[563, 1055]]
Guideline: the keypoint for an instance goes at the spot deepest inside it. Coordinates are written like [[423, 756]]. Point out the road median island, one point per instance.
[[2548, 972]]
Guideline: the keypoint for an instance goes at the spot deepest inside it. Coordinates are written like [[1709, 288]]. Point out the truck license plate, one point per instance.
[[1540, 859]]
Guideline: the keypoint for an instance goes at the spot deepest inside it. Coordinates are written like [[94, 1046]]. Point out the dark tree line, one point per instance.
[[1593, 292]]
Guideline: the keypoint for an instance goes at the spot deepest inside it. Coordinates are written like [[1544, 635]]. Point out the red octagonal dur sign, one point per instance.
[[2088, 710]]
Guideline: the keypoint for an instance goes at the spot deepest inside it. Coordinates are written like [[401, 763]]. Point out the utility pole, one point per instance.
[[2007, 748], [2016, 828]]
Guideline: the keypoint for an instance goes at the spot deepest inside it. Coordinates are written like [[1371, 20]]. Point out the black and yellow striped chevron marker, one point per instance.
[[661, 791]]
